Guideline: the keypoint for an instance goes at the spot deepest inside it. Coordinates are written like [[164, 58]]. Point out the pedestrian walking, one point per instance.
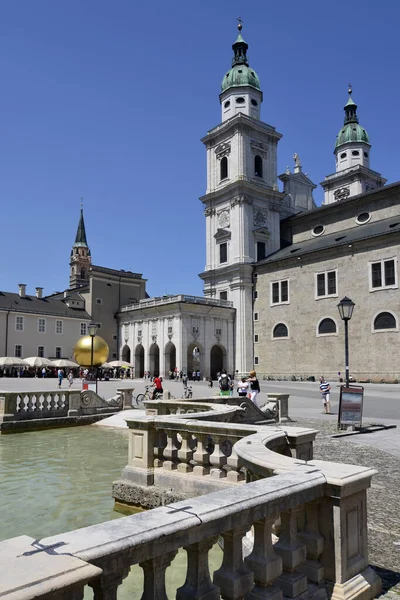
[[243, 387], [70, 378], [325, 388], [60, 377], [254, 387]]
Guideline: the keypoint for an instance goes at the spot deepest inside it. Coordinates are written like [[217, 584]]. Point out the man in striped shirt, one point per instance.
[[325, 389]]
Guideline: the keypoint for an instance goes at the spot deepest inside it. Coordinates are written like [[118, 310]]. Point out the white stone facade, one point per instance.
[[184, 332]]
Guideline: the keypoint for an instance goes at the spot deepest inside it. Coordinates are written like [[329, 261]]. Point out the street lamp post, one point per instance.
[[92, 330], [346, 307]]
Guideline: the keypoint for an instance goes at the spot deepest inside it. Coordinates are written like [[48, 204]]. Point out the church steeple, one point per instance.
[[240, 87], [80, 239], [80, 259]]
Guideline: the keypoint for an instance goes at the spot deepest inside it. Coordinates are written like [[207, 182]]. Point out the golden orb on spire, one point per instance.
[[240, 23], [350, 90]]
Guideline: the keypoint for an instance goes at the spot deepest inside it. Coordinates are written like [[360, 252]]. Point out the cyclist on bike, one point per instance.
[[158, 388]]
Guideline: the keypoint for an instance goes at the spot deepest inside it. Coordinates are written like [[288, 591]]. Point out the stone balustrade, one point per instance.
[[309, 533], [176, 456], [29, 410]]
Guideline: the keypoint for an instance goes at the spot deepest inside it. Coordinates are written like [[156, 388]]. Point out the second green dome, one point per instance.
[[351, 132], [240, 76]]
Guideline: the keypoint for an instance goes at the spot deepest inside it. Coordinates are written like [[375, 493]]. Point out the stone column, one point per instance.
[[233, 578], [201, 456], [154, 576], [265, 564], [293, 553], [198, 584], [140, 468]]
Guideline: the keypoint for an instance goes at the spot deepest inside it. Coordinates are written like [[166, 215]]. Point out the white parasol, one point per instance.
[[12, 361], [63, 362], [38, 361]]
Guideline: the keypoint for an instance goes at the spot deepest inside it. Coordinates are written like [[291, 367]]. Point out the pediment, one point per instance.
[[222, 234]]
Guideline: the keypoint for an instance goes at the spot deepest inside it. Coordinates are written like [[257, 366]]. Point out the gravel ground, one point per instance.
[[383, 498]]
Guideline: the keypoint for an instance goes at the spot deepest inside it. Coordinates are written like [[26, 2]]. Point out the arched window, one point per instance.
[[258, 166], [326, 326], [280, 330], [385, 320], [224, 168]]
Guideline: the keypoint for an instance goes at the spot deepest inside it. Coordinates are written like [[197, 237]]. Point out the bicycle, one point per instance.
[[147, 395], [187, 392]]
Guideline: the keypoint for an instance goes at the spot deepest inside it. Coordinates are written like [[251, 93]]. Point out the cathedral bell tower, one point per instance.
[[242, 204], [353, 174], [80, 258]]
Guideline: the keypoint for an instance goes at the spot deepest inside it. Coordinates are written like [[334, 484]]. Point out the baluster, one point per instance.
[[201, 456], [185, 454], [264, 563], [233, 462], [39, 402], [154, 576], [293, 553], [106, 586], [46, 402], [53, 400], [29, 406], [233, 578], [314, 543], [218, 458], [170, 451], [198, 584], [161, 441], [61, 402]]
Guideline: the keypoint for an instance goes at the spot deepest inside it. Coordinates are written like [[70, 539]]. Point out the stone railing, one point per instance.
[[309, 530], [200, 446], [50, 408], [157, 301]]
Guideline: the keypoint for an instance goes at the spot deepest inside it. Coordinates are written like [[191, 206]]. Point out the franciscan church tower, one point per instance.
[[242, 204], [352, 151], [80, 259]]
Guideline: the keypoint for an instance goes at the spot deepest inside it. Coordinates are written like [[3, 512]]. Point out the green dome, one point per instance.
[[240, 76], [351, 132]]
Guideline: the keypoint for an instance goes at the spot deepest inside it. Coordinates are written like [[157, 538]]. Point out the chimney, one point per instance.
[[39, 291], [22, 289]]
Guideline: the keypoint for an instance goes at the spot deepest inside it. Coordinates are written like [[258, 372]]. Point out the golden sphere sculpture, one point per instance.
[[83, 349]]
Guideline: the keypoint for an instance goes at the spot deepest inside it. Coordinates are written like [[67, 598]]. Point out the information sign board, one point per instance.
[[351, 406]]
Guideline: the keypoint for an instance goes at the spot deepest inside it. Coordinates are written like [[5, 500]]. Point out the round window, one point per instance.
[[363, 218], [227, 104], [254, 102], [318, 230], [366, 154], [240, 100], [355, 153], [343, 155]]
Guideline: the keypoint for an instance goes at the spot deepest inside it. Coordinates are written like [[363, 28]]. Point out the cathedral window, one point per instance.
[[366, 154], [261, 253], [223, 295], [343, 155], [318, 230], [280, 331], [385, 320], [223, 253], [363, 218], [227, 104], [240, 100], [383, 274], [326, 284], [355, 153], [254, 102], [258, 166], [327, 327], [280, 292], [224, 168]]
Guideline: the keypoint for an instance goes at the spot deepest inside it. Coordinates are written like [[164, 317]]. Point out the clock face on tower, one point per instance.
[[223, 219]]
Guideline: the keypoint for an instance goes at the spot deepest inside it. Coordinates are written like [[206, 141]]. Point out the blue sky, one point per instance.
[[108, 101]]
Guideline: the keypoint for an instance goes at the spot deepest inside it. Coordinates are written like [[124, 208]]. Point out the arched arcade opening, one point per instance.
[[154, 360], [139, 361], [194, 359], [217, 360], [126, 353], [169, 358]]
